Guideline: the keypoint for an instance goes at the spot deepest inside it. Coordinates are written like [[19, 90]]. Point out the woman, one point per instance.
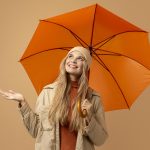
[[58, 123]]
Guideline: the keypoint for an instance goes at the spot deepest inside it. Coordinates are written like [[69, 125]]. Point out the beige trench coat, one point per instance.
[[47, 134]]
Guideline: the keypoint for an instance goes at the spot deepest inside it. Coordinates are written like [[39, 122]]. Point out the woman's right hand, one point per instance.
[[11, 95]]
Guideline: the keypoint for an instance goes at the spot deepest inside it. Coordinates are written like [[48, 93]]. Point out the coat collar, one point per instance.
[[50, 86], [89, 94]]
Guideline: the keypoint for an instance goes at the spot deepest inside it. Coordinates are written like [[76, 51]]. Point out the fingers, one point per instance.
[[11, 95], [1, 92], [11, 91], [83, 106], [6, 94], [86, 105], [85, 102]]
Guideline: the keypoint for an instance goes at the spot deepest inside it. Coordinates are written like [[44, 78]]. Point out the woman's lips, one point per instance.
[[72, 66]]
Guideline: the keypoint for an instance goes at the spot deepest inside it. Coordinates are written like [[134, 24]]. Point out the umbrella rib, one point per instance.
[[63, 48], [117, 54], [111, 53], [99, 60], [93, 25], [114, 80], [106, 41], [72, 33], [109, 38], [119, 87]]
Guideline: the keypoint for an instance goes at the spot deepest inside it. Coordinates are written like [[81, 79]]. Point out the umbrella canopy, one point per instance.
[[120, 68]]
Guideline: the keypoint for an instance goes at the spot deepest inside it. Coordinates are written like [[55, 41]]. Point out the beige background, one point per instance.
[[128, 129]]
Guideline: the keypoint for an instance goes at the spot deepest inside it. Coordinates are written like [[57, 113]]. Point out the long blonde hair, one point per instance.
[[60, 106]]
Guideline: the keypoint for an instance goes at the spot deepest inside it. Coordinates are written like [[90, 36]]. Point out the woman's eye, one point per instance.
[[69, 56], [80, 58]]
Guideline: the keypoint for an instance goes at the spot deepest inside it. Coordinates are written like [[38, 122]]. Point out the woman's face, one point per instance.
[[74, 64]]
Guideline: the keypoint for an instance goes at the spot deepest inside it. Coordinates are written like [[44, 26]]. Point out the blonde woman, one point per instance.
[[58, 123]]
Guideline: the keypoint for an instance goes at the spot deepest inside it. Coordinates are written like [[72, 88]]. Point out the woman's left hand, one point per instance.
[[86, 105]]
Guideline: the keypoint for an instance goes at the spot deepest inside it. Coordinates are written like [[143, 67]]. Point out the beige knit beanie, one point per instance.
[[85, 52]]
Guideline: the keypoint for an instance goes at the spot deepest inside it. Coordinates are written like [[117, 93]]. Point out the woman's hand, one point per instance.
[[86, 105], [11, 95]]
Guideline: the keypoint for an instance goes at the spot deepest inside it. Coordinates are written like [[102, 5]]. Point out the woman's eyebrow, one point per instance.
[[80, 57], [70, 54]]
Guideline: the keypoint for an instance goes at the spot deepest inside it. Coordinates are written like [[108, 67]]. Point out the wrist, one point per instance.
[[21, 102]]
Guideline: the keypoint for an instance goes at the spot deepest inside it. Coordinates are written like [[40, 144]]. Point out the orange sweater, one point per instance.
[[68, 138]]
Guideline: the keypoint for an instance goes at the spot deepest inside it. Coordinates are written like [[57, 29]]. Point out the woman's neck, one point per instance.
[[73, 77], [74, 84]]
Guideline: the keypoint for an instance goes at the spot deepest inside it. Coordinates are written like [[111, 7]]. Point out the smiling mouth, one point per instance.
[[72, 66]]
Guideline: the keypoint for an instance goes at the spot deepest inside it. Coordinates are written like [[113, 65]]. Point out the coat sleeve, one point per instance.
[[96, 129], [31, 118]]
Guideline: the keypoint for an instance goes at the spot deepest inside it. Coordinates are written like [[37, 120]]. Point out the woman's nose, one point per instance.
[[73, 60]]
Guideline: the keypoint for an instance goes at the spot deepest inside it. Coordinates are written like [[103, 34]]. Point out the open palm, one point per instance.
[[11, 95]]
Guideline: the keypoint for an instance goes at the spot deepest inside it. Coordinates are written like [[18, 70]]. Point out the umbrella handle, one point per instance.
[[83, 113]]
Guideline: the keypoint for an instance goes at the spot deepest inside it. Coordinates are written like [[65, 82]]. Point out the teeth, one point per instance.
[[72, 66]]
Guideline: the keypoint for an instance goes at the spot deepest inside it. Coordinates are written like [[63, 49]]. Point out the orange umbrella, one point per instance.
[[120, 52]]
